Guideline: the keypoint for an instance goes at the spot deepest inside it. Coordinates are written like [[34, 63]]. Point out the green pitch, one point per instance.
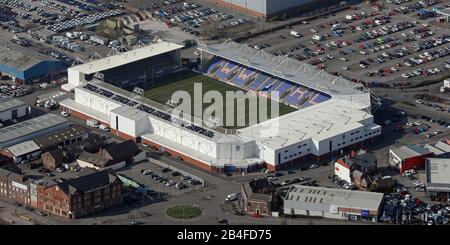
[[162, 93]]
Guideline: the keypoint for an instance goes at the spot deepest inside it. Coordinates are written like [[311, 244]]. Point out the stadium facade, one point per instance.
[[136, 67], [270, 8], [332, 113]]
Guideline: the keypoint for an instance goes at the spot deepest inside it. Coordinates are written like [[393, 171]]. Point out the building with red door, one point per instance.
[[408, 157]]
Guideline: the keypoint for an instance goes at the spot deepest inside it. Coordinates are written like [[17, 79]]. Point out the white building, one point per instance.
[[333, 203], [342, 121], [23, 152], [31, 129], [11, 108]]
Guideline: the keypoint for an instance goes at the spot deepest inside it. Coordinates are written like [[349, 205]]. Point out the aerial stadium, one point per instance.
[[318, 113]]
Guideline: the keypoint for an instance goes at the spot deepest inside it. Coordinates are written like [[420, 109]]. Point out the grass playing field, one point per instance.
[[162, 93]]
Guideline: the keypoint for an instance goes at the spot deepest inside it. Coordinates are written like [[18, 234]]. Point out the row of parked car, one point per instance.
[[170, 182], [417, 6], [85, 20], [404, 208], [385, 30], [413, 61], [14, 90], [344, 184]]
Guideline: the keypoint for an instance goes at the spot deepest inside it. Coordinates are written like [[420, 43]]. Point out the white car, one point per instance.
[[314, 166], [65, 114], [104, 128], [271, 178], [417, 123], [147, 172], [418, 183], [231, 197]]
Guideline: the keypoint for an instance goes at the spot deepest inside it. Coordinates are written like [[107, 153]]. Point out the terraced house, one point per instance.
[[91, 192]]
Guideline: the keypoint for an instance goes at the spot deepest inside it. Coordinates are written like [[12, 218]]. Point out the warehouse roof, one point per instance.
[[126, 57], [9, 103], [23, 148], [439, 148], [368, 160], [438, 170], [408, 151], [72, 132], [20, 60], [30, 126], [327, 199]]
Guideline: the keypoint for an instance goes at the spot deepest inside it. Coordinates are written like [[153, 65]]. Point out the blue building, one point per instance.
[[27, 67]]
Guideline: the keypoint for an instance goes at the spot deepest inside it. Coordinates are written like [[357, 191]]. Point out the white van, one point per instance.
[[104, 128], [92, 123], [295, 34], [317, 37], [70, 35]]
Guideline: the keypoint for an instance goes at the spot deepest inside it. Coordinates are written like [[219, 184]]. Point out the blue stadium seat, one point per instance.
[[240, 75]]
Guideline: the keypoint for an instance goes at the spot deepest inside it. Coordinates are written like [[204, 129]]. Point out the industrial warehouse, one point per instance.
[[333, 203], [331, 112], [270, 8], [27, 66], [30, 129], [11, 108]]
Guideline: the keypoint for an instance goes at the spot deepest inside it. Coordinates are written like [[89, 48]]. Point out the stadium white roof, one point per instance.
[[126, 57], [288, 69], [348, 107], [318, 122], [323, 199]]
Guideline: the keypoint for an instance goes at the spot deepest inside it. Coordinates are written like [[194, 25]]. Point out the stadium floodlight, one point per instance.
[[278, 71], [213, 122], [138, 91], [99, 76]]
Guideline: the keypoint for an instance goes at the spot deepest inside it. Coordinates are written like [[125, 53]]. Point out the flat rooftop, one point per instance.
[[324, 199], [126, 57], [318, 122], [21, 60], [30, 126], [8, 103], [408, 151], [438, 172], [72, 132]]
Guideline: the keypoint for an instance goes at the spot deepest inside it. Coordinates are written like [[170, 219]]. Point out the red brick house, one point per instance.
[[53, 159], [91, 192], [18, 189], [258, 197]]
